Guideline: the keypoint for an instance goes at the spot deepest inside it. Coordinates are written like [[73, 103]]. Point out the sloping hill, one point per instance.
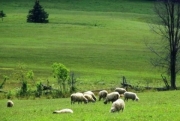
[[100, 41]]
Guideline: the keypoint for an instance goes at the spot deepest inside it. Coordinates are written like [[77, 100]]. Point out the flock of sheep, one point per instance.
[[114, 97], [118, 103]]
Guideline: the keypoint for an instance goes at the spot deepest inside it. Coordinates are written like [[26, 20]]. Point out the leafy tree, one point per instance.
[[62, 74], [2, 14], [168, 14], [37, 14]]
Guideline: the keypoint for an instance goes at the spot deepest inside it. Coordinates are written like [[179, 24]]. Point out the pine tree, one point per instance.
[[37, 14], [2, 14]]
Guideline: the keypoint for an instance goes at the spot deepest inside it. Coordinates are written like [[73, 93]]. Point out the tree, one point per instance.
[[61, 73], [2, 14], [168, 12], [37, 14]]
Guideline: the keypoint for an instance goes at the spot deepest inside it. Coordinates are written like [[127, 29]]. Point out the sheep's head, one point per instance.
[[137, 99], [10, 103], [113, 110], [105, 102], [85, 101]]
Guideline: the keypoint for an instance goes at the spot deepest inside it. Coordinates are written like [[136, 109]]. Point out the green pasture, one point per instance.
[[100, 41], [152, 106]]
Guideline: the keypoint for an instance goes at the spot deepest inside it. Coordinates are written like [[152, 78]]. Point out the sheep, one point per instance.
[[10, 103], [102, 94], [66, 110], [91, 93], [120, 90], [130, 95], [118, 105], [89, 97], [78, 97], [111, 97]]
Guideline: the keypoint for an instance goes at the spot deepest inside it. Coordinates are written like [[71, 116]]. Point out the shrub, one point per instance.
[[39, 90]]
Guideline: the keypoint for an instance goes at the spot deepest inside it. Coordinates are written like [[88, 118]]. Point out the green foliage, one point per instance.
[[2, 14], [30, 75], [62, 74], [60, 71], [22, 75], [9, 95], [23, 91], [37, 14], [39, 89]]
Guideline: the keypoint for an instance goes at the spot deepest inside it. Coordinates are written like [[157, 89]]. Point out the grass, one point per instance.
[[99, 43], [153, 106]]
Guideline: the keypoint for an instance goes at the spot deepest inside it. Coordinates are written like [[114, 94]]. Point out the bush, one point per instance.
[[23, 91], [39, 90]]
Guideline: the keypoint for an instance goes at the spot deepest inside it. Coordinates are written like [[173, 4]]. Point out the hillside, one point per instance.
[[100, 41]]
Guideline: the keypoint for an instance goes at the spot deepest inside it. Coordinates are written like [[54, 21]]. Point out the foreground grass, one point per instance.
[[153, 106]]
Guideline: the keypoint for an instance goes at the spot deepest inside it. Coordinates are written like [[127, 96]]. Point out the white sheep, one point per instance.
[[66, 110], [89, 97], [78, 97], [120, 90], [91, 93], [102, 94], [117, 106], [111, 97], [10, 103], [130, 95]]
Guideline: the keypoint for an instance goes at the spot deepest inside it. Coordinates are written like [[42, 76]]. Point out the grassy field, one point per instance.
[[100, 41], [153, 106]]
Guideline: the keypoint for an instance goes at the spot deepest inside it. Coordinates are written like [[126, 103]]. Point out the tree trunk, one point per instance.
[[173, 70]]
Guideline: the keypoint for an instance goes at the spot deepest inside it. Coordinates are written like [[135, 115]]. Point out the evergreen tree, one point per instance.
[[2, 14], [37, 14]]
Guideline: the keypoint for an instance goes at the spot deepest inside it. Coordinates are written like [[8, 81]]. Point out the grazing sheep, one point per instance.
[[78, 97], [111, 97], [130, 95], [63, 111], [117, 106], [89, 97], [91, 93], [120, 90], [102, 94], [10, 103]]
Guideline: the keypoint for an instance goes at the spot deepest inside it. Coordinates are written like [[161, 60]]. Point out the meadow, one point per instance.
[[99, 41], [152, 106]]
